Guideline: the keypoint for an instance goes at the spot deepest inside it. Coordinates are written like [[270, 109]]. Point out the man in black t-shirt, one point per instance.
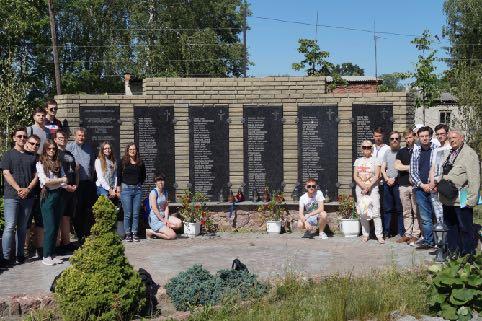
[[20, 177], [411, 218]]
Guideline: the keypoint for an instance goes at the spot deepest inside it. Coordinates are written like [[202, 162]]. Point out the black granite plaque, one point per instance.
[[365, 119], [209, 151], [154, 134], [318, 147], [101, 124], [263, 149]]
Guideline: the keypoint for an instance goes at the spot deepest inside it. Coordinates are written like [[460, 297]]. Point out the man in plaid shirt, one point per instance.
[[420, 165]]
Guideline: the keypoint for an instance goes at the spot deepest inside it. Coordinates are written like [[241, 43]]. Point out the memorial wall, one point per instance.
[[214, 135]]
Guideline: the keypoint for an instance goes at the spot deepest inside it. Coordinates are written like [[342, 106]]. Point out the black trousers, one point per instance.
[[83, 218]]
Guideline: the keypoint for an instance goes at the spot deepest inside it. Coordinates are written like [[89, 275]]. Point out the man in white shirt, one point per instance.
[[379, 150], [438, 157], [311, 211]]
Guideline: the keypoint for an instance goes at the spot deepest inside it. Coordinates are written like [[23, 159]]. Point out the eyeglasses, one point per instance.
[[366, 147], [394, 138], [21, 136], [51, 148], [34, 144], [310, 186], [108, 148]]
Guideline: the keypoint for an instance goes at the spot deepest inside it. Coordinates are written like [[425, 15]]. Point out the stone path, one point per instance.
[[269, 256]]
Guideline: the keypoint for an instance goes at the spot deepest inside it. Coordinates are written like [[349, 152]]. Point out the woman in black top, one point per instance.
[[130, 177]]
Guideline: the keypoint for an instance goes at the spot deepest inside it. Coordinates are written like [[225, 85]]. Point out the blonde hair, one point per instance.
[[103, 162]]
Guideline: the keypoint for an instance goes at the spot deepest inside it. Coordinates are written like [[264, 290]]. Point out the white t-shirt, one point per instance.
[[379, 151], [366, 167], [438, 158], [310, 204]]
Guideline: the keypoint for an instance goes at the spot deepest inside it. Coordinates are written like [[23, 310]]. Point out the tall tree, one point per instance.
[[392, 82], [349, 69], [464, 31]]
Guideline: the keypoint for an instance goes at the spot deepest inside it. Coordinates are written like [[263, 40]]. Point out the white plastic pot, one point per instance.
[[192, 229], [350, 227], [273, 227]]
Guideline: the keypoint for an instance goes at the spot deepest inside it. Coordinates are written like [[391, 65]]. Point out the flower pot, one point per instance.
[[273, 227], [192, 229], [350, 227]]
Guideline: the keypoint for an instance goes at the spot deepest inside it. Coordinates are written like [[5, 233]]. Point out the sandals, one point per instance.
[[364, 239], [381, 240]]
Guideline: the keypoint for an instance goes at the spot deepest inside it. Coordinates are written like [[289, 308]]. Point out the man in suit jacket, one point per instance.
[[462, 168]]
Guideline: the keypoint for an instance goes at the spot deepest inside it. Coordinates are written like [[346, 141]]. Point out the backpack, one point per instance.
[[147, 206]]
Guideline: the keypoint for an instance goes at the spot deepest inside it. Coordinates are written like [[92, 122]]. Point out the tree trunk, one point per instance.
[[53, 33]]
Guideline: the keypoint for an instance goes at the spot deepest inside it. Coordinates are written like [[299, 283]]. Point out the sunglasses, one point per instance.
[[21, 136], [54, 109], [51, 148], [310, 186], [366, 147], [394, 138], [34, 144]]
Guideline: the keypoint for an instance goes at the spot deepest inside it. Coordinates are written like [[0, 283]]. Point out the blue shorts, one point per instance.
[[312, 220], [155, 223]]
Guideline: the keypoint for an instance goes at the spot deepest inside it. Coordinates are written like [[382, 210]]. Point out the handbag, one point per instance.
[[447, 189]]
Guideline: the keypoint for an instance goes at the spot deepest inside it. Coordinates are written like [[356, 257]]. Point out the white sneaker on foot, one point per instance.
[[57, 261], [48, 261], [323, 236]]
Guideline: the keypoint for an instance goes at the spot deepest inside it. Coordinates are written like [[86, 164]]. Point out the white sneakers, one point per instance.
[[323, 236], [51, 261]]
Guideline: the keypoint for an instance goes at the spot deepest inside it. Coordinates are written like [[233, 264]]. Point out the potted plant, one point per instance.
[[274, 211], [350, 223], [193, 210]]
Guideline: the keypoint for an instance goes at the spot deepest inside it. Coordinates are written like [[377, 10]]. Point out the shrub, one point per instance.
[[347, 208], [100, 284], [193, 206], [196, 286], [455, 288], [275, 209]]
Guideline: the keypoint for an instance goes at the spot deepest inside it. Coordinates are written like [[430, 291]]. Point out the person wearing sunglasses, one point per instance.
[[51, 122], [366, 174], [391, 194], [38, 128], [311, 211], [20, 178]]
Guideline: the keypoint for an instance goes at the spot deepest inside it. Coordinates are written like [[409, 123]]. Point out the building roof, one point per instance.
[[354, 79]]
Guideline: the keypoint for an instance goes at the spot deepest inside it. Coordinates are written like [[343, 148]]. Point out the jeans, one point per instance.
[[460, 224], [102, 191], [424, 202], [52, 208], [131, 203], [17, 213], [392, 203]]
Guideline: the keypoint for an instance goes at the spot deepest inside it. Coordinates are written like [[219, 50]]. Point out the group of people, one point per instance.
[[50, 183], [430, 179]]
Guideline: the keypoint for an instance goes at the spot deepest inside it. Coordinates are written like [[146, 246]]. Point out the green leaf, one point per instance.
[[448, 312], [437, 298], [474, 280], [462, 296]]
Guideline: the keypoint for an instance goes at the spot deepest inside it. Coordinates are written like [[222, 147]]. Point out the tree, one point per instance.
[[349, 69], [427, 82], [315, 59], [464, 31], [392, 82]]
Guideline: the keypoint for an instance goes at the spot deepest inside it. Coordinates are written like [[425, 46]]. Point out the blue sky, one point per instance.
[[273, 45]]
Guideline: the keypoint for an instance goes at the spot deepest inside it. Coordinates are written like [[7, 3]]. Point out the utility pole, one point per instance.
[[375, 38], [316, 26], [55, 53], [245, 46]]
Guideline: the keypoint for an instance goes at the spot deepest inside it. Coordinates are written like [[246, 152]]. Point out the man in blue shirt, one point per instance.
[[420, 165]]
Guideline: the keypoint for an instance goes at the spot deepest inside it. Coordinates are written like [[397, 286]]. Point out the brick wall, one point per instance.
[[290, 92], [356, 88]]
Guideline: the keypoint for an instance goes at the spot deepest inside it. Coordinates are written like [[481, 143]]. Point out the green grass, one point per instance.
[[335, 298]]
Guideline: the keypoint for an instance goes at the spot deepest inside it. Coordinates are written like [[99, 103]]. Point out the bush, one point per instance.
[[196, 286], [100, 284], [455, 288]]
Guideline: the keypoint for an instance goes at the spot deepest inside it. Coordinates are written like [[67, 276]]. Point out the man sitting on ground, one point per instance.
[[312, 213]]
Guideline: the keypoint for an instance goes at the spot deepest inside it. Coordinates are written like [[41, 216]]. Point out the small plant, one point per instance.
[[346, 207], [193, 207], [455, 289], [275, 209], [100, 284], [196, 286]]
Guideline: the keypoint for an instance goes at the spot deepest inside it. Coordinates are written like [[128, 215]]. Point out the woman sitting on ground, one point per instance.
[[161, 223]]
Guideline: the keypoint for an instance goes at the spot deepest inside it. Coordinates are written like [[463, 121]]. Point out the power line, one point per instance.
[[334, 27]]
